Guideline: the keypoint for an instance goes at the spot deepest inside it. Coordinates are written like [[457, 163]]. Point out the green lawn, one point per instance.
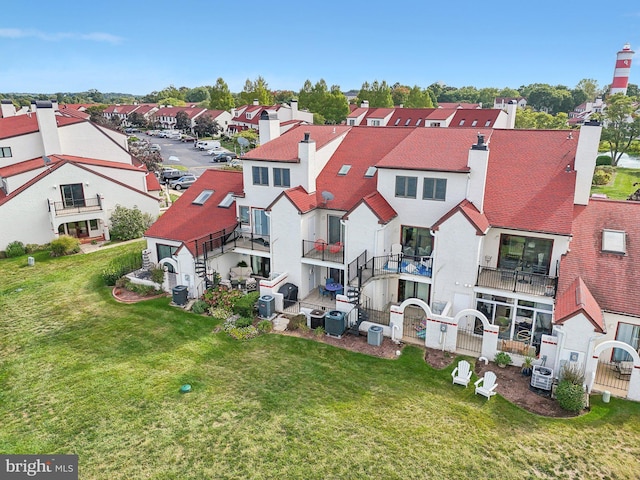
[[80, 373], [622, 185]]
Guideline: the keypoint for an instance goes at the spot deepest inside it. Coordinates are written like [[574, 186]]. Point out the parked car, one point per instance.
[[236, 162], [187, 138], [183, 182], [167, 174], [210, 145], [174, 136], [223, 157], [155, 147]]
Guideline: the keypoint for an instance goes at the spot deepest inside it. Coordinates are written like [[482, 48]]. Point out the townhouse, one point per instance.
[[61, 174]]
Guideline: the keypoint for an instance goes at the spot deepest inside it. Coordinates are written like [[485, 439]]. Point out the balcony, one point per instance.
[[399, 264], [82, 205], [520, 281], [321, 250], [228, 239]]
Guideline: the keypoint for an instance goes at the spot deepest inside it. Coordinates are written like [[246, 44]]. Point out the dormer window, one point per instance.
[[614, 241], [249, 116]]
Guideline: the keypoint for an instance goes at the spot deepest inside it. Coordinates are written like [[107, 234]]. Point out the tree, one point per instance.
[[418, 98], [205, 125], [129, 223], [171, 101], [256, 90], [336, 106], [182, 121], [250, 134], [283, 96], [528, 118], [622, 125], [172, 92], [377, 94], [220, 96], [137, 120], [400, 94], [590, 87], [197, 95], [142, 151], [328, 106]]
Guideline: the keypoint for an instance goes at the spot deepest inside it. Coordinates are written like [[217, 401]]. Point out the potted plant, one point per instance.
[[527, 366], [502, 359]]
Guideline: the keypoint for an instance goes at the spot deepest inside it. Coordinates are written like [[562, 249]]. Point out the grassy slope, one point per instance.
[[622, 185], [80, 373]]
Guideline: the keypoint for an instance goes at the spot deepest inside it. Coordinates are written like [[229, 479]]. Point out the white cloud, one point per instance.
[[54, 37]]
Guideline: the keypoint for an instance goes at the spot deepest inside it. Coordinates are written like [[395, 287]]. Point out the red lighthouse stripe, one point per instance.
[[620, 82], [626, 63]]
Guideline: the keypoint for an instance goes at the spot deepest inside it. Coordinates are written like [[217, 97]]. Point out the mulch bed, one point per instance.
[[512, 385], [388, 348], [123, 295]]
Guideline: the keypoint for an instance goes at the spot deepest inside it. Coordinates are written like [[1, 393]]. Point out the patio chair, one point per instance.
[[335, 248], [486, 385], [323, 291], [320, 245], [462, 373]]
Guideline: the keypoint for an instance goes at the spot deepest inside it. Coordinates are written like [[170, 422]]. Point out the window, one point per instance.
[[352, 122], [344, 169], [416, 242], [260, 175], [397, 122], [435, 124], [418, 122], [407, 122], [165, 251], [629, 334], [243, 213], [226, 201], [371, 171], [203, 197], [530, 253], [5, 152], [375, 123], [614, 241], [93, 224], [488, 123], [434, 189], [335, 229], [72, 195], [406, 186], [281, 177], [260, 222]]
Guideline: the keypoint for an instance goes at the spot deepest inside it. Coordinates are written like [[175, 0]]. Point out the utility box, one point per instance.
[[334, 323], [266, 306], [179, 294], [374, 335]]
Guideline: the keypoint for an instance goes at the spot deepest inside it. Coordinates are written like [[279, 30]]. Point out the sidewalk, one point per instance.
[[101, 245]]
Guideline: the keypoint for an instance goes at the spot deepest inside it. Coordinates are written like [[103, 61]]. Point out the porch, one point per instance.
[[521, 281], [81, 205], [321, 250], [365, 269]]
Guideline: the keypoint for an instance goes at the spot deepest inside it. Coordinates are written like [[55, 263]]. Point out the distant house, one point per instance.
[[122, 112], [248, 116], [502, 102], [60, 174], [165, 117]]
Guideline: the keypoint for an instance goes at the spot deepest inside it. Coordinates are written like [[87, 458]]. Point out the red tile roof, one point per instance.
[[172, 111], [441, 113], [363, 147], [402, 115], [611, 278], [153, 185], [457, 105], [480, 116], [285, 147], [577, 299], [435, 149], [529, 188], [469, 210], [28, 123], [300, 198], [120, 109], [378, 205], [186, 222], [358, 111], [379, 113]]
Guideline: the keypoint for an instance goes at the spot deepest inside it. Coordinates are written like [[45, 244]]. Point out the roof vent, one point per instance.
[[307, 137]]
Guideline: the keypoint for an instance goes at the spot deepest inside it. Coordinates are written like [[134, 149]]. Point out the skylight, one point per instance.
[[461, 122], [397, 121], [488, 123], [418, 122], [614, 241], [203, 197], [371, 171], [344, 169], [226, 201], [474, 123], [407, 122]]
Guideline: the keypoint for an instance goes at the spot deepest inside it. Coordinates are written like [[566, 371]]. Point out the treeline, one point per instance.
[[330, 105]]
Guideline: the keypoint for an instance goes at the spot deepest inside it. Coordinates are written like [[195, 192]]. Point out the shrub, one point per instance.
[[244, 305], [570, 396], [220, 313], [572, 373], [199, 307], [140, 289], [221, 297], [502, 358], [32, 247], [297, 321], [319, 332], [129, 223], [600, 177], [603, 160], [244, 333], [157, 274], [121, 266], [15, 249], [64, 245], [264, 326], [244, 322]]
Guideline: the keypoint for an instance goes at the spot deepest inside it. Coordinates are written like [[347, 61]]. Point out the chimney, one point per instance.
[[33, 105], [512, 107], [256, 102], [48, 127], [268, 126], [307, 156], [364, 104], [585, 162], [477, 162], [8, 109], [54, 104], [294, 109]]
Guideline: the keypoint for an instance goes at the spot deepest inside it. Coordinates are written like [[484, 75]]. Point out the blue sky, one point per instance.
[[140, 46]]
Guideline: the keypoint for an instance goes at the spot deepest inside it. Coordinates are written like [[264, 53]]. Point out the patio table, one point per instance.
[[334, 288]]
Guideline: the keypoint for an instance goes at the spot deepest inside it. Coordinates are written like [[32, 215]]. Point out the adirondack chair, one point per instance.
[[488, 385], [462, 373]]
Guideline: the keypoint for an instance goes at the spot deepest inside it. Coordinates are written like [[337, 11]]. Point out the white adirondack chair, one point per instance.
[[488, 385], [462, 373]]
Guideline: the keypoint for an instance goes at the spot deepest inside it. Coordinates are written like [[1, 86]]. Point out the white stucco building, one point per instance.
[[64, 175]]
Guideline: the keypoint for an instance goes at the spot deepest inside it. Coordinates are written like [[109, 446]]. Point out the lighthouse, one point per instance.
[[621, 72]]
